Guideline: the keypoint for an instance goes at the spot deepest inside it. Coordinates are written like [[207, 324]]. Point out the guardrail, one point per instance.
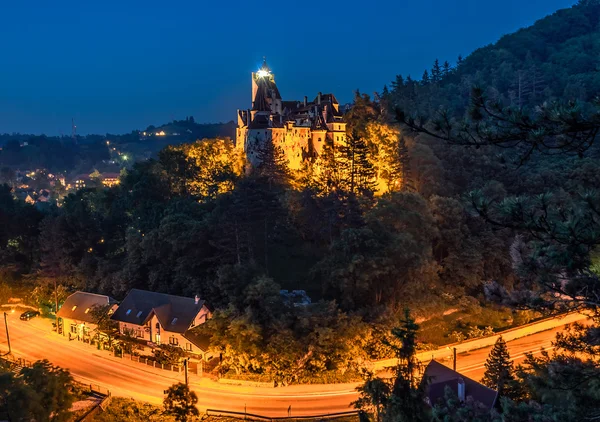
[[478, 343], [252, 416]]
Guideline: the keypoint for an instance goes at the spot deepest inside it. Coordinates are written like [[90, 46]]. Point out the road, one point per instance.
[[34, 340]]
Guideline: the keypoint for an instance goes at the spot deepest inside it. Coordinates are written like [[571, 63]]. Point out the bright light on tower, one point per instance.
[[262, 73]]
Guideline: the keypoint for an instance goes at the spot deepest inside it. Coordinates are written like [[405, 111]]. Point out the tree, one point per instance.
[[104, 324], [181, 402], [51, 387], [273, 166], [403, 399], [451, 409], [436, 72], [499, 371], [374, 396], [168, 354], [446, 69]]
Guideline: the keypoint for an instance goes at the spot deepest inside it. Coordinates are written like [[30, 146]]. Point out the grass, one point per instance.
[[437, 331]]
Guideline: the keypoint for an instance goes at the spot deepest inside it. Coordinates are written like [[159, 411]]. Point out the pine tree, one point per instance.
[[499, 372], [273, 165], [425, 79], [446, 69], [459, 60], [436, 72]]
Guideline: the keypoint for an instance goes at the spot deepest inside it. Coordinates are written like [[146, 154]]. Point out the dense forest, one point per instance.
[[484, 198], [78, 154]]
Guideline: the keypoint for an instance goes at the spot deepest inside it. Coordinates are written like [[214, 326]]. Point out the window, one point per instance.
[[138, 314], [74, 328], [73, 308], [139, 333], [188, 347], [87, 310], [174, 321], [128, 312], [173, 341]]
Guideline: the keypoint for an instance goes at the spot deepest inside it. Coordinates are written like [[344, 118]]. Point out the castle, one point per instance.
[[300, 128]]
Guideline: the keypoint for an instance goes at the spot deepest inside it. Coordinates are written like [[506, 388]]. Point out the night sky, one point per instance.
[[121, 65]]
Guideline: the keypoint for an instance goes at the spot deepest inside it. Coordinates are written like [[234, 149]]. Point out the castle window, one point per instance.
[[319, 139]]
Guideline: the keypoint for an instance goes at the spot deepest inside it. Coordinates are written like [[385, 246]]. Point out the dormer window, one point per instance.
[[73, 308], [128, 312], [139, 314], [174, 321], [87, 310]]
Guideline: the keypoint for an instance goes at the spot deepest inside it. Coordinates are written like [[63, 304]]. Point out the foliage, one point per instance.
[[451, 409], [42, 392], [168, 354], [181, 402], [499, 371], [402, 398], [129, 410]]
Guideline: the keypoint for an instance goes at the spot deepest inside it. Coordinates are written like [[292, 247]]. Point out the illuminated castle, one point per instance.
[[300, 128]]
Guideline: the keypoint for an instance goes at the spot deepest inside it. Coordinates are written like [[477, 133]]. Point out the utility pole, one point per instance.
[[7, 336], [454, 362], [56, 304], [185, 366]]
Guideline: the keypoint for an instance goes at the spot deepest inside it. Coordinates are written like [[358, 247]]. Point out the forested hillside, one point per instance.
[[193, 221]]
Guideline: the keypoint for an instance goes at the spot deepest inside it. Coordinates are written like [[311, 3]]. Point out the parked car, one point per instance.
[[26, 316]]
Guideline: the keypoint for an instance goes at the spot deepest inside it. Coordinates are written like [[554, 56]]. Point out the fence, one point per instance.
[[154, 364], [105, 398], [254, 417]]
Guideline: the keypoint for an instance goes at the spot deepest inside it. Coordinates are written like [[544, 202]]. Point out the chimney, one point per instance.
[[461, 390], [196, 299], [305, 100], [319, 99]]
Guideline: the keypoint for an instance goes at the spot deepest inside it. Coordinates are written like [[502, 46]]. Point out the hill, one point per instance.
[[558, 57]]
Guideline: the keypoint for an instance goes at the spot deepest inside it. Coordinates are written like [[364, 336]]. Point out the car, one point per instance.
[[26, 316]]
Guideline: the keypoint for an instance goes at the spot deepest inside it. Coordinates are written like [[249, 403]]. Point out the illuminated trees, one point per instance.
[[403, 399], [499, 372], [181, 402]]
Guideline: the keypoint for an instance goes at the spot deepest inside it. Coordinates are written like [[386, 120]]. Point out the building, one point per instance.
[[76, 318], [439, 377], [110, 179], [300, 128], [81, 180], [159, 318]]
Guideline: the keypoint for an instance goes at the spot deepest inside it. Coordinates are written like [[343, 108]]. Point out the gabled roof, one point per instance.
[[198, 339], [79, 304], [175, 313], [439, 376]]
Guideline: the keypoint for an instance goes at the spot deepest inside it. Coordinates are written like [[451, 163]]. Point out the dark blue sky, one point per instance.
[[121, 65]]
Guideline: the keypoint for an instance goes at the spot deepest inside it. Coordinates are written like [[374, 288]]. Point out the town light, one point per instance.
[[262, 73], [124, 157]]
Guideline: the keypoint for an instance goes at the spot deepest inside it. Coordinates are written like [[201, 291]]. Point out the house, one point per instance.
[[159, 318], [439, 377], [76, 316], [110, 179]]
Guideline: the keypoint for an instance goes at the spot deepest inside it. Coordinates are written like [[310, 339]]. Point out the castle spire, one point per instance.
[[264, 66]]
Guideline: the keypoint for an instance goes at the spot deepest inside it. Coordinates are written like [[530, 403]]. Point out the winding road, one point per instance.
[[34, 340]]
